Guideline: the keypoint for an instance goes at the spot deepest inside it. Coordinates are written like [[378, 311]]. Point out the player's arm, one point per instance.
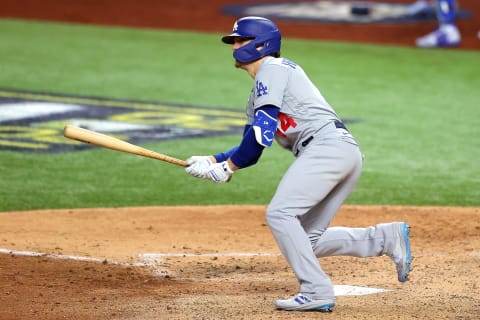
[[223, 156], [197, 165], [256, 137], [259, 136]]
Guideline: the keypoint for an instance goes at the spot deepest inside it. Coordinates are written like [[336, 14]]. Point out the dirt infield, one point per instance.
[[222, 263]]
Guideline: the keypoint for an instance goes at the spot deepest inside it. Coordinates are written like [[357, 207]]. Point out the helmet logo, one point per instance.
[[235, 26]]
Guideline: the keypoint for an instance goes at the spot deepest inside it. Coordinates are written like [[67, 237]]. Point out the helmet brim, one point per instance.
[[230, 39]]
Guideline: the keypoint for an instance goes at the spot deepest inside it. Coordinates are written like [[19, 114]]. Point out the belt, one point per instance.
[[338, 125]]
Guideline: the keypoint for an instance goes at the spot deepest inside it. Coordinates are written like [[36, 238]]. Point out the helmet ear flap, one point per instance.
[[247, 53]]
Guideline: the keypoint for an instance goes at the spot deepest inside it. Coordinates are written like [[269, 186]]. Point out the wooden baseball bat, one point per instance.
[[109, 142]]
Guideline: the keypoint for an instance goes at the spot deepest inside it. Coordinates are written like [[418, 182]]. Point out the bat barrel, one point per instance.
[[109, 142]]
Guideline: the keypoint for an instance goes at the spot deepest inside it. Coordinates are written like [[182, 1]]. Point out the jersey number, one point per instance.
[[285, 123]]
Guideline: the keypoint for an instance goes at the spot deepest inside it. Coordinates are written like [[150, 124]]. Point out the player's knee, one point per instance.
[[314, 236], [276, 218], [271, 217]]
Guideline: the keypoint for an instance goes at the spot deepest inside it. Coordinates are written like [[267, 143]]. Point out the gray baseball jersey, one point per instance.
[[303, 109], [326, 169]]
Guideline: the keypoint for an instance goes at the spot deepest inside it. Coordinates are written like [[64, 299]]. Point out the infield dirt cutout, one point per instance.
[[221, 262]]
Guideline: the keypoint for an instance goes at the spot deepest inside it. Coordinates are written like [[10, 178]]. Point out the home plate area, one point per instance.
[[161, 268], [158, 262]]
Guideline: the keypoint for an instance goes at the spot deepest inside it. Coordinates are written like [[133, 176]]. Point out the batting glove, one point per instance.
[[220, 172], [197, 166]]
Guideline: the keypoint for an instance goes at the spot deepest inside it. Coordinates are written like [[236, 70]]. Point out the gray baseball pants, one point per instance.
[[309, 195]]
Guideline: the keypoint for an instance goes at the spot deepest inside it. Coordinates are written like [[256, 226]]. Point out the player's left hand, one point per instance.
[[197, 166], [220, 172]]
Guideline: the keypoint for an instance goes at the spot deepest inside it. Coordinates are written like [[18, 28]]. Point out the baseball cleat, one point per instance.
[[445, 36], [302, 302], [401, 254]]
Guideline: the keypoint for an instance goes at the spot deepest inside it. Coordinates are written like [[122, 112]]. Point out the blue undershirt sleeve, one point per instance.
[[223, 156]]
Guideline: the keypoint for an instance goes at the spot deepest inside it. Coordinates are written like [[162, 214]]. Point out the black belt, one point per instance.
[[338, 125]]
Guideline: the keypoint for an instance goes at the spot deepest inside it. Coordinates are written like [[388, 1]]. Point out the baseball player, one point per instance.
[[447, 33], [285, 106]]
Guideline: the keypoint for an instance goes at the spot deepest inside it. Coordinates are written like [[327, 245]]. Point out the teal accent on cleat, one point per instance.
[[402, 254]]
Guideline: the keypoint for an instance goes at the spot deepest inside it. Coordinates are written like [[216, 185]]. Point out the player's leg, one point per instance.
[[344, 241], [391, 239], [447, 34], [318, 218], [307, 182]]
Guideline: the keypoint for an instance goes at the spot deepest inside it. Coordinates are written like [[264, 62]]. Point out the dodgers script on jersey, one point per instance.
[[303, 109]]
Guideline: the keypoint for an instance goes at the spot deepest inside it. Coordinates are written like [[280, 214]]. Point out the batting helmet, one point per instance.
[[262, 31]]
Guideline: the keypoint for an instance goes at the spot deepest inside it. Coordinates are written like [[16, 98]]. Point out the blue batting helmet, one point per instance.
[[262, 31]]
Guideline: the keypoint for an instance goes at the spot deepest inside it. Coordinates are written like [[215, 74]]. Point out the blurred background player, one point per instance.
[[447, 33]]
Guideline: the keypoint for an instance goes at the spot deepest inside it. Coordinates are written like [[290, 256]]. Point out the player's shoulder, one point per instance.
[[277, 68], [281, 62]]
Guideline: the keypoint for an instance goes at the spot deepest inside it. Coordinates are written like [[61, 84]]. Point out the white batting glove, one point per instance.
[[197, 166], [220, 172]]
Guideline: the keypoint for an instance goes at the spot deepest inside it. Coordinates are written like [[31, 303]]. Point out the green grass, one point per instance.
[[419, 112]]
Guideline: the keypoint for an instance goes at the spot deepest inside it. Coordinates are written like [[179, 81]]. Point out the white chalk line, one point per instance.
[[69, 257], [152, 260], [214, 254]]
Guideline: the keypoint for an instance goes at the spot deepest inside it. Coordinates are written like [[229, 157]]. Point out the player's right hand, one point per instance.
[[220, 172], [197, 166]]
